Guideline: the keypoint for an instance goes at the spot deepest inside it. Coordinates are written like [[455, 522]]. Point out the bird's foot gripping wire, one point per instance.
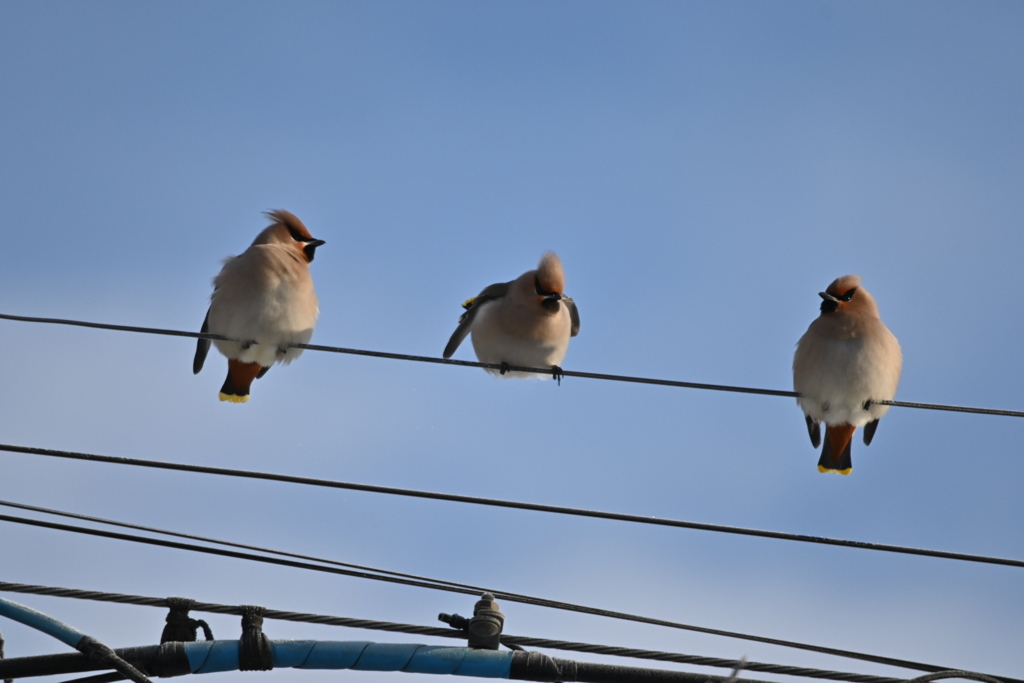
[[504, 368], [557, 373]]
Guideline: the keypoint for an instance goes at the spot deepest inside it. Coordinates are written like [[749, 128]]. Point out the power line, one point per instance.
[[496, 502], [205, 539], [533, 642], [506, 639], [495, 366], [511, 597]]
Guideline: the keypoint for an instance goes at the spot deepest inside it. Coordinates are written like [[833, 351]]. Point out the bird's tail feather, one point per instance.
[[838, 439], [239, 379]]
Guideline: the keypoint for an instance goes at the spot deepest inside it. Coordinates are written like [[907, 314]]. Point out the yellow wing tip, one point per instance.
[[822, 468], [468, 303], [232, 398]]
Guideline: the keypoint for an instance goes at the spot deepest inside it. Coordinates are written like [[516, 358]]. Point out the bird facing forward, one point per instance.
[[845, 363], [263, 300], [526, 322]]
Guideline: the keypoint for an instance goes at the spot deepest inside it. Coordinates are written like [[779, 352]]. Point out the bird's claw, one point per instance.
[[246, 345], [557, 373], [504, 368]]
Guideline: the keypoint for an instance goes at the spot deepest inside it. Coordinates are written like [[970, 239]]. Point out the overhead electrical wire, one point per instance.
[[495, 366], [496, 502], [506, 639], [398, 577], [244, 546], [451, 633], [448, 587]]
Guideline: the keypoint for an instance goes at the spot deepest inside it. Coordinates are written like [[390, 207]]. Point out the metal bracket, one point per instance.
[[484, 629]]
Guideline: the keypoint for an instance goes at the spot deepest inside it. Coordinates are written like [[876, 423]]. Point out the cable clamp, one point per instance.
[[181, 628], [484, 629], [254, 651]]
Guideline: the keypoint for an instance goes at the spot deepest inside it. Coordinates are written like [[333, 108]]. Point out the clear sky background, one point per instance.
[[703, 169]]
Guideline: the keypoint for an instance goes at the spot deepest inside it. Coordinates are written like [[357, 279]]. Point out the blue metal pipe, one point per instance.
[[69, 635], [41, 622], [222, 655]]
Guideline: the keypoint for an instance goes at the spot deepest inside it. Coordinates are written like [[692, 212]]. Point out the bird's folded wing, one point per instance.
[[574, 315], [472, 306], [202, 347]]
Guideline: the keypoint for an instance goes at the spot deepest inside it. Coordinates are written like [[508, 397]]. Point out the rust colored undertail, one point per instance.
[[239, 379], [835, 454]]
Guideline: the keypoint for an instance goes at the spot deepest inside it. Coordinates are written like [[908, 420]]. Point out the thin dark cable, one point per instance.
[[495, 502], [393, 627], [495, 366], [954, 674], [205, 539], [511, 597]]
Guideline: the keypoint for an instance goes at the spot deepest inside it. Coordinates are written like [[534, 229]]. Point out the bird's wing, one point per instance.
[[574, 314], [202, 347], [869, 431], [472, 306]]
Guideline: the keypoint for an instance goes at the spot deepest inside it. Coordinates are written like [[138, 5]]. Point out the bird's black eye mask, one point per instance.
[[311, 244], [830, 303]]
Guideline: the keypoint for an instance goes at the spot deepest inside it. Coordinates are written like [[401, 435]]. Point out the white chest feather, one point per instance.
[[836, 377], [265, 299], [505, 333]]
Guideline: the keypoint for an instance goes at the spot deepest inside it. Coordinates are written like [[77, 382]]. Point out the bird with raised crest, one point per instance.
[[263, 301], [526, 322]]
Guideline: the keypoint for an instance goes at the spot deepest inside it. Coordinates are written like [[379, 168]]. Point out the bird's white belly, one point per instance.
[[265, 323], [494, 344], [845, 376]]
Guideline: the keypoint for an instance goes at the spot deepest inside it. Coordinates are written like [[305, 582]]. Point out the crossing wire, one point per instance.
[[511, 597], [496, 366], [448, 587], [506, 639], [496, 502]]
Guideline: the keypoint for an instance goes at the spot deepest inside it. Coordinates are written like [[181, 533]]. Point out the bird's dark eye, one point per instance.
[[848, 295], [537, 288], [298, 236]]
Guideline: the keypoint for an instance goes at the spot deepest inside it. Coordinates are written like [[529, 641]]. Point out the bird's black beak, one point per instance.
[[310, 248], [551, 300], [829, 303]]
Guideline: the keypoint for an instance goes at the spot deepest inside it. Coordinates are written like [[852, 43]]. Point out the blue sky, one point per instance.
[[703, 170]]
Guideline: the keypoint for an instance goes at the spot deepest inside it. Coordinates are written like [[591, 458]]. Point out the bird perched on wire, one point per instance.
[[263, 300], [526, 322], [845, 363]]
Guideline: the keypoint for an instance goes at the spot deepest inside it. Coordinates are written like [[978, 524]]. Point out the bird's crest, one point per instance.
[[550, 274], [841, 285], [289, 220]]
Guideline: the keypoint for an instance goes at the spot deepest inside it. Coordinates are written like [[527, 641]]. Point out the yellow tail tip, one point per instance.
[[821, 468], [232, 398], [469, 302]]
